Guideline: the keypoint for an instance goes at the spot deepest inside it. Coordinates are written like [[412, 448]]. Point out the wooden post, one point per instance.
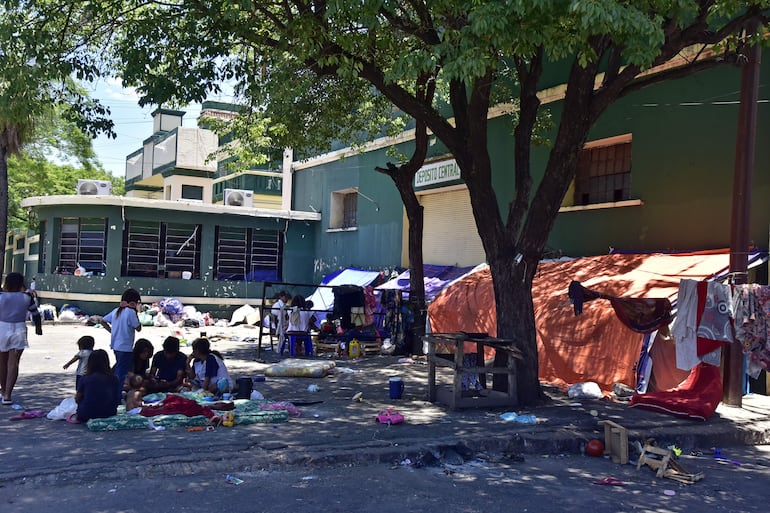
[[741, 209]]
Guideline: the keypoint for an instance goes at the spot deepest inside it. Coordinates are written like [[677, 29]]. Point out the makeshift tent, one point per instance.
[[323, 297], [435, 278], [596, 345]]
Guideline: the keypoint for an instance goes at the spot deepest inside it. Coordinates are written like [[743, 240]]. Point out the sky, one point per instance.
[[133, 124]]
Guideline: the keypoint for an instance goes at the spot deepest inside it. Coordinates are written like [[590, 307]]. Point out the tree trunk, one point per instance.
[[3, 205]]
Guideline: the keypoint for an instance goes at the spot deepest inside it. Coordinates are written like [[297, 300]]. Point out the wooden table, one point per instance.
[[453, 395]]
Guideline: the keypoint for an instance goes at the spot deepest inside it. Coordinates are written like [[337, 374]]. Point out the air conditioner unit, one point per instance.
[[94, 187], [239, 198]]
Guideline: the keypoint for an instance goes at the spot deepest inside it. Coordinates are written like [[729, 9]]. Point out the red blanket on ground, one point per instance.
[[696, 398], [176, 405]]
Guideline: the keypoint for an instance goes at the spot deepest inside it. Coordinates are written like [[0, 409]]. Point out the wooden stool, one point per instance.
[[615, 441]]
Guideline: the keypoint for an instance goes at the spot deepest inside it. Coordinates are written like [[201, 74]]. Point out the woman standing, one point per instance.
[[15, 304]]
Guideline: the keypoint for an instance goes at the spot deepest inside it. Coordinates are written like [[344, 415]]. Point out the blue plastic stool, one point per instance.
[[293, 339]]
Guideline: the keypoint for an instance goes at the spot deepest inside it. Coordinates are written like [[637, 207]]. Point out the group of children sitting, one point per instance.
[[99, 392]]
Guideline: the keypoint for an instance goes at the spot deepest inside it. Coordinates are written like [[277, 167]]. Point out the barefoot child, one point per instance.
[[135, 393]]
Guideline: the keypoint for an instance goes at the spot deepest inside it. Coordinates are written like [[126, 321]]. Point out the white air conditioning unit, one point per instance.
[[94, 187], [239, 198]]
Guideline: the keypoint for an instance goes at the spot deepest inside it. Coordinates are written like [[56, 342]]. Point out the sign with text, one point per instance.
[[444, 171]]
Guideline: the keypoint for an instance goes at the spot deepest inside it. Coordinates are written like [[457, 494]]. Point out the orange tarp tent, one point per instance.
[[595, 345]]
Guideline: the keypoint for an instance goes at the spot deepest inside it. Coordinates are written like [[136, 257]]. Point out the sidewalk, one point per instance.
[[333, 430]]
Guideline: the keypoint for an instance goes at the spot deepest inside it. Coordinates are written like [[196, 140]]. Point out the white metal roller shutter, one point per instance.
[[450, 236]]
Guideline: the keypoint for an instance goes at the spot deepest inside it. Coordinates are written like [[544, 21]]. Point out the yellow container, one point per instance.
[[355, 349]]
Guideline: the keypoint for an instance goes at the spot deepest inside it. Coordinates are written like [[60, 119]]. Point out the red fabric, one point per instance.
[[178, 405], [696, 398]]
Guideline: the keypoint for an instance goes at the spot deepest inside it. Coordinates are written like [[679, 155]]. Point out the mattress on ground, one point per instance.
[[300, 368], [246, 412]]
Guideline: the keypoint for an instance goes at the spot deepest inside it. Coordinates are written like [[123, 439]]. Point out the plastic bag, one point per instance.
[[66, 408], [587, 390]]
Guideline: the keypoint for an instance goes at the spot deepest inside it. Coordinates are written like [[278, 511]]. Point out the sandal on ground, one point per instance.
[[73, 419], [29, 414], [6, 402]]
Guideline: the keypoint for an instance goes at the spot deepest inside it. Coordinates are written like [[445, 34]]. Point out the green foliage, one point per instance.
[[32, 175]]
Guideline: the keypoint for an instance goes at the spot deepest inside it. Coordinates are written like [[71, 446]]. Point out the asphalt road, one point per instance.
[[492, 483]]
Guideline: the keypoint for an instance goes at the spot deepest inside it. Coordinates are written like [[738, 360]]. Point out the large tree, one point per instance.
[[41, 60], [363, 51]]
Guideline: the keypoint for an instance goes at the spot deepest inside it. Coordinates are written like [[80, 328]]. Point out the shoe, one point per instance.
[[73, 419], [6, 402]]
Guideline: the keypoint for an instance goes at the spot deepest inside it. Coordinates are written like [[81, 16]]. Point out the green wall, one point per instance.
[[684, 135], [297, 255]]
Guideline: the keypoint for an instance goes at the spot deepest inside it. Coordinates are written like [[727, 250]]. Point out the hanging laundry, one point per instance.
[[751, 307], [642, 315], [702, 324]]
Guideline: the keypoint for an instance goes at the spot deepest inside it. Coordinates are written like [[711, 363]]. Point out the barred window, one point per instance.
[[604, 171], [344, 209], [248, 254], [82, 242], [161, 250]]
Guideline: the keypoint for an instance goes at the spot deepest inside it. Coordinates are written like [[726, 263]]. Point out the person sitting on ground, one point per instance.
[[140, 362], [136, 392], [207, 369], [168, 368], [97, 396]]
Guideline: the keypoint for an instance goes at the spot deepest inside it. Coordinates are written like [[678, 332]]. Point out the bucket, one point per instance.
[[396, 387], [244, 388]]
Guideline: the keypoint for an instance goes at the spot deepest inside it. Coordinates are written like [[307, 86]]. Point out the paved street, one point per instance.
[[337, 458], [542, 484]]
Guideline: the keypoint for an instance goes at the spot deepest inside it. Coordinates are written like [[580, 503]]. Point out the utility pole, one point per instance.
[[741, 210]]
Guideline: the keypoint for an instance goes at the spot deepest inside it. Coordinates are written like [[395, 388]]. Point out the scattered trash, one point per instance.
[[312, 388], [586, 390], [112, 490], [179, 490], [405, 360], [594, 413], [676, 450], [575, 404], [358, 397], [233, 480], [151, 425], [29, 414], [309, 478], [256, 396], [610, 481], [521, 419], [406, 461], [670, 493], [17, 407]]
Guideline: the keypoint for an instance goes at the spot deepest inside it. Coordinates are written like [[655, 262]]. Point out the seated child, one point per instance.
[[98, 393], [136, 392], [207, 370]]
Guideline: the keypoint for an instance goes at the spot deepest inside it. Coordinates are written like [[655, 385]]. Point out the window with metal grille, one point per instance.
[[604, 171], [344, 209], [248, 254], [161, 250], [82, 242]]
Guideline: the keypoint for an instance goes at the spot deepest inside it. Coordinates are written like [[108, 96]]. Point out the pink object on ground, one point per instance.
[[389, 416]]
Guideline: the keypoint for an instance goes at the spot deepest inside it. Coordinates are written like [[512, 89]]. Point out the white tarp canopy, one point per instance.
[[323, 297]]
